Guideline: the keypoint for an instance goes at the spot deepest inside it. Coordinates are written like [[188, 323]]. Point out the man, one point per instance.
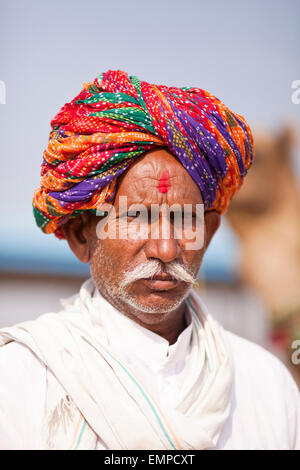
[[135, 361]]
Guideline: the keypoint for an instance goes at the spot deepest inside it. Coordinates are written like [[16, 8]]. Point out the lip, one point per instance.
[[160, 284]]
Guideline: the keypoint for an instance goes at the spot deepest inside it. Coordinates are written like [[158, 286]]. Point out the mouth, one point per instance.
[[161, 282]]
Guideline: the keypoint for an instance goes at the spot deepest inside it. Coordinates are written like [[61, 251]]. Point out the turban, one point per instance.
[[117, 118]]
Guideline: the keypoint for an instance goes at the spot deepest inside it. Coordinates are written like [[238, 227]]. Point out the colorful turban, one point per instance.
[[117, 118]]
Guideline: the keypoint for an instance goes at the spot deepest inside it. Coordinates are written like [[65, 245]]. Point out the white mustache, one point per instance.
[[154, 267]]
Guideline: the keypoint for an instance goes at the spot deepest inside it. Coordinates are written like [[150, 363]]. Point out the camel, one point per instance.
[[265, 215]]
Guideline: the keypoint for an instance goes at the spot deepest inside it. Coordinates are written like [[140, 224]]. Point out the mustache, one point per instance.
[[154, 267]]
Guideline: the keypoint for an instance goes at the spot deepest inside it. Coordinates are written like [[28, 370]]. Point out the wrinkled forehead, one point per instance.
[[156, 178]]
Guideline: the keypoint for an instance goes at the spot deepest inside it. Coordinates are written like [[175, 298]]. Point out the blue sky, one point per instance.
[[246, 53]]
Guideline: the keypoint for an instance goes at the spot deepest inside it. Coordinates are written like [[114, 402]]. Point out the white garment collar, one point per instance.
[[134, 342]]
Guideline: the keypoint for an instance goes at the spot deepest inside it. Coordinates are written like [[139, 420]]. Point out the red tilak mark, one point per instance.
[[164, 183]]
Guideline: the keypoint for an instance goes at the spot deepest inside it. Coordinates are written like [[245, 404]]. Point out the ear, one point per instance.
[[286, 139], [212, 221], [77, 233]]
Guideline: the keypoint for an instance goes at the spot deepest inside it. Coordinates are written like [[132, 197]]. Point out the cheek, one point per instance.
[[101, 264], [193, 247], [111, 258], [103, 261], [191, 234], [193, 259]]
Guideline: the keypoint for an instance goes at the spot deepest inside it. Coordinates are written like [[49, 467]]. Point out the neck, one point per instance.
[[170, 325]]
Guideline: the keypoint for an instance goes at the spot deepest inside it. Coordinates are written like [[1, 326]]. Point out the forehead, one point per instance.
[[158, 177]]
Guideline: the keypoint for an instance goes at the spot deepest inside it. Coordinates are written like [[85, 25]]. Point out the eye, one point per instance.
[[102, 213], [132, 214], [175, 216], [192, 218], [142, 217]]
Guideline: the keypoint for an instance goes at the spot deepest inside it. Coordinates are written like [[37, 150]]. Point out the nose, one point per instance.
[[165, 250], [162, 243]]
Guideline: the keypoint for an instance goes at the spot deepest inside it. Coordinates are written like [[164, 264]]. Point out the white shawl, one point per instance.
[[92, 394]]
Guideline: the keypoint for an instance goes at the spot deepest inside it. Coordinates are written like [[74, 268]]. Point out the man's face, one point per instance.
[[134, 274]]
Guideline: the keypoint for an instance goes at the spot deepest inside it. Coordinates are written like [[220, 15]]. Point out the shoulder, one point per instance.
[[17, 360], [22, 396], [265, 392], [261, 365]]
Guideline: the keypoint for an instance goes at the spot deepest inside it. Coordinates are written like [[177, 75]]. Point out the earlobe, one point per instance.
[[212, 223], [76, 233]]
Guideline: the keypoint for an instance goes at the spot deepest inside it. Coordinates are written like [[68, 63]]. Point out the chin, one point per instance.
[[156, 303]]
